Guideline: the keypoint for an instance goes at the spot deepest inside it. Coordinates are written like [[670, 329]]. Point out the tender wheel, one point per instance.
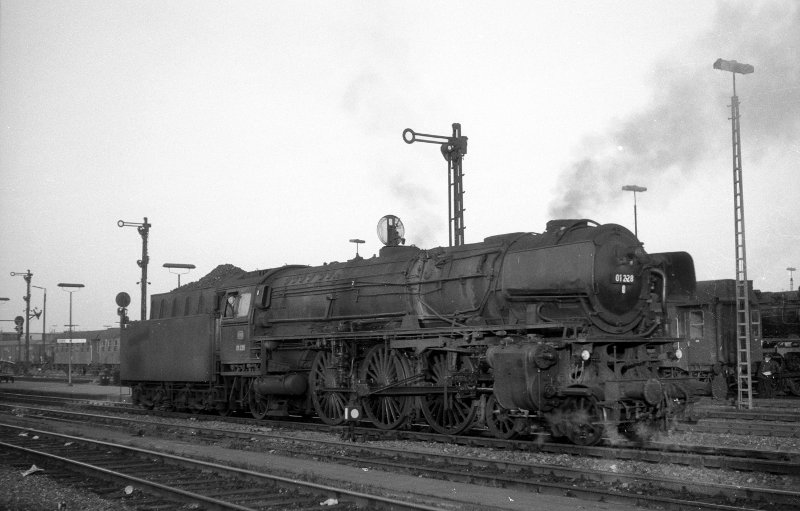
[[583, 423], [136, 395], [498, 422], [380, 368], [182, 400], [157, 399], [220, 403], [197, 402], [328, 403], [445, 411]]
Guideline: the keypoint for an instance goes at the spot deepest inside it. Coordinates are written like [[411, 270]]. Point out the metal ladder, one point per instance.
[[744, 396], [454, 154]]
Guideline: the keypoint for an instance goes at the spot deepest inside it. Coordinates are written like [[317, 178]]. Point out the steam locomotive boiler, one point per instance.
[[564, 330]]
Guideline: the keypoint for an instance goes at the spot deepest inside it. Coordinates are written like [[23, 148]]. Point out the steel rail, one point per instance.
[[358, 497], [537, 475], [736, 427], [150, 486], [728, 458]]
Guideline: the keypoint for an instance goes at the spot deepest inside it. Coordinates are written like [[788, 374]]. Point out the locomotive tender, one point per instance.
[[564, 330]]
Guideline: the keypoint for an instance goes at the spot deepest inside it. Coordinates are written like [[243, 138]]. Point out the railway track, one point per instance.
[[588, 484], [778, 419], [769, 418], [742, 459], [741, 427], [32, 398], [771, 414], [157, 479]]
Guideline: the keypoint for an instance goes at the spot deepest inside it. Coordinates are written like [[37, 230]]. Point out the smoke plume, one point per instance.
[[416, 200], [671, 138]]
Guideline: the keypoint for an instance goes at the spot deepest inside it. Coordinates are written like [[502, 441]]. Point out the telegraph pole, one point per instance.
[[144, 231], [27, 276]]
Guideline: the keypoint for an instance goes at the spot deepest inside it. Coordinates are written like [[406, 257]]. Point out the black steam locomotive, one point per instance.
[[564, 330]]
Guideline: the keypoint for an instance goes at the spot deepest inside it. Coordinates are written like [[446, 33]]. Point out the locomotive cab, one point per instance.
[[235, 326]]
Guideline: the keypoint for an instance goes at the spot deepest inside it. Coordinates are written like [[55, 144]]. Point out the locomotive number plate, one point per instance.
[[624, 278]]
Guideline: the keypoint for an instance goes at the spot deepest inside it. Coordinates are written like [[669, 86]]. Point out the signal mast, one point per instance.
[[453, 149]]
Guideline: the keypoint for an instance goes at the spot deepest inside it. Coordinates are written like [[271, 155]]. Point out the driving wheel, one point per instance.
[[383, 367], [329, 402], [445, 410]]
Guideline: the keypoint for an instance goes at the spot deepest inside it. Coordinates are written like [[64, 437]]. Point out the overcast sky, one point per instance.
[[269, 133]]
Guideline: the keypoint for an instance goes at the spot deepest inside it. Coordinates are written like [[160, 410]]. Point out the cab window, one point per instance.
[[244, 305], [237, 305]]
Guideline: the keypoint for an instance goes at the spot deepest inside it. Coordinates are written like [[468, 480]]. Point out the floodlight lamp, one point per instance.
[[733, 66], [63, 284], [634, 188]]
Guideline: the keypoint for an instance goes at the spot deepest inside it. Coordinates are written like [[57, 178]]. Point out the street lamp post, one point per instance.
[[44, 321], [70, 288], [178, 267], [634, 189], [791, 271], [744, 395], [357, 242]]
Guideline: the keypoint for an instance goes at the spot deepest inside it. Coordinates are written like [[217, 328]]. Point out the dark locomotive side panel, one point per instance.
[[172, 349]]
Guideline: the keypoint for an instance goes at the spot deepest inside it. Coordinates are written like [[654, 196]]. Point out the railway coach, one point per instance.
[[706, 322], [98, 354]]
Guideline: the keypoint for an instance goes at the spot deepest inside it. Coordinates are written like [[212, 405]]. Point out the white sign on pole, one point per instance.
[[71, 341]]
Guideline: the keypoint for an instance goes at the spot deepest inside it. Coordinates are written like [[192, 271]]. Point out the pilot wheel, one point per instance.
[[583, 421], [498, 421]]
